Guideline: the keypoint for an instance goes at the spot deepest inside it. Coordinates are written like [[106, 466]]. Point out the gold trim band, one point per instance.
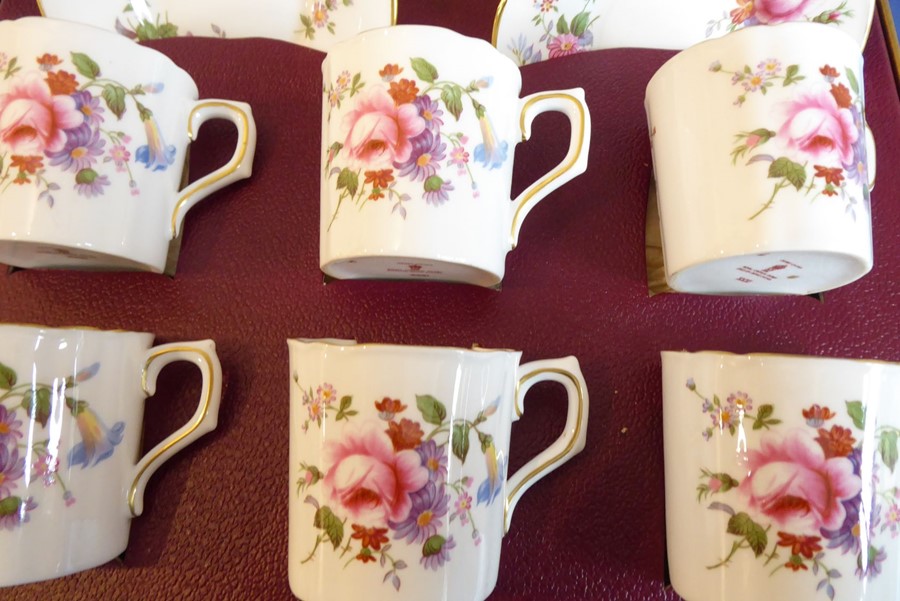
[[562, 168], [230, 167], [207, 400], [497, 16], [535, 473], [890, 34]]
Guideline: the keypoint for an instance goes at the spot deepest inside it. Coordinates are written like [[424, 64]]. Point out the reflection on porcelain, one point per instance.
[[531, 31], [313, 23], [779, 132], [417, 156], [71, 408], [785, 468], [92, 147], [398, 466]]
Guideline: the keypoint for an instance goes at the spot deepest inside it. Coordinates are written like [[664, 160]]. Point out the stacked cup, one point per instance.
[[763, 162], [781, 479]]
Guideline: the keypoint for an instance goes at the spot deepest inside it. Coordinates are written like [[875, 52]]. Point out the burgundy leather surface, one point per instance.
[[215, 521]]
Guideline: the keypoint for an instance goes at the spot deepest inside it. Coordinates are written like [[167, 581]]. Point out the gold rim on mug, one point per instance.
[[475, 348], [787, 356]]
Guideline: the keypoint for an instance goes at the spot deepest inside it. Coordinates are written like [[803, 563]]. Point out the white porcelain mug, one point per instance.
[[71, 408], [763, 162], [781, 477], [398, 466], [93, 138], [419, 129]]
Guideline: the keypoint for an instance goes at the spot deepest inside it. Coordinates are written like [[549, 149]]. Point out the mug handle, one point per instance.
[[571, 104], [870, 156], [239, 167], [202, 353], [567, 372]]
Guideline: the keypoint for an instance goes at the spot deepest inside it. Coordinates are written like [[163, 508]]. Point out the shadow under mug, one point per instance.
[[398, 466], [94, 131], [763, 162], [71, 409], [419, 129], [782, 480]]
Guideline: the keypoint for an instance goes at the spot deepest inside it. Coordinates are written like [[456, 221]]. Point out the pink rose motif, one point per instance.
[[818, 127], [32, 120], [791, 482], [379, 131], [368, 479], [770, 12]]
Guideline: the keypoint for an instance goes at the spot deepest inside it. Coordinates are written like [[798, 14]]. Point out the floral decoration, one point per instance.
[[320, 17], [383, 491], [819, 144], [397, 131], [58, 129], [32, 405], [140, 28], [800, 504], [559, 36], [771, 12]]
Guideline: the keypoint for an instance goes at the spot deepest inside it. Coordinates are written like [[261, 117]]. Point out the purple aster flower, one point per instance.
[[9, 426], [740, 400], [14, 511], [83, 146], [846, 537], [856, 170], [870, 565], [423, 162], [437, 191], [429, 505], [11, 469], [430, 111], [90, 107], [725, 417], [89, 183], [434, 459], [436, 552]]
